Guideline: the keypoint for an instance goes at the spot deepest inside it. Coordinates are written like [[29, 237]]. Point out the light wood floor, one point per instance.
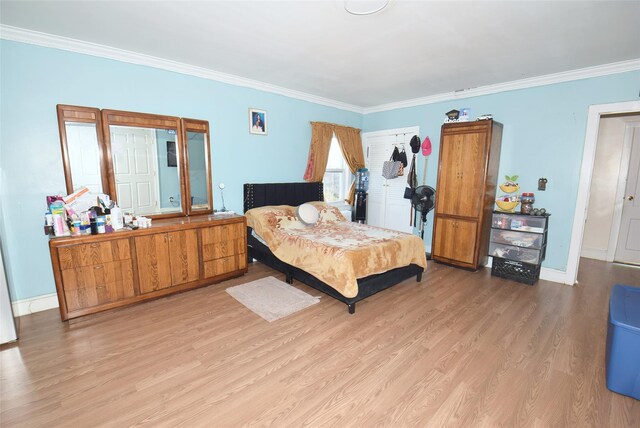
[[458, 349]]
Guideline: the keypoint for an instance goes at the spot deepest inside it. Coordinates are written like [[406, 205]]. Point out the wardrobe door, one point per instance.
[[462, 173], [455, 240]]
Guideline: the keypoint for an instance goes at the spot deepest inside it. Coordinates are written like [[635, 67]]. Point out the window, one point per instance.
[[337, 176]]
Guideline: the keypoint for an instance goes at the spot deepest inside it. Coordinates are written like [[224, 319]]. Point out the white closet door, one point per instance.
[[376, 153], [398, 212], [386, 204]]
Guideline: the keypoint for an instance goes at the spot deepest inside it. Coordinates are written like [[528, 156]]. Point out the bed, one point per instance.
[[292, 195]]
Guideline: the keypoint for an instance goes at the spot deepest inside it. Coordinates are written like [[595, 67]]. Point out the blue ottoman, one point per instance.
[[623, 341]]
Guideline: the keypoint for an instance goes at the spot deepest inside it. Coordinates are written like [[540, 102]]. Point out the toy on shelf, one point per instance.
[[507, 204], [511, 185]]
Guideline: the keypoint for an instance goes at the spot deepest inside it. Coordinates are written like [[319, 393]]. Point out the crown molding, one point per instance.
[[73, 45], [548, 79]]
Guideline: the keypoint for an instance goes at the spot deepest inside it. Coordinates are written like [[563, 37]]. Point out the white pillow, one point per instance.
[[308, 214]]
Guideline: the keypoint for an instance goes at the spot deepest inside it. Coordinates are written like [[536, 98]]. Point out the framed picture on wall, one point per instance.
[[257, 121]]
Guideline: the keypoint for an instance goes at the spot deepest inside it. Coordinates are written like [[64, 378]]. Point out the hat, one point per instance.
[[415, 144], [426, 146], [453, 114]]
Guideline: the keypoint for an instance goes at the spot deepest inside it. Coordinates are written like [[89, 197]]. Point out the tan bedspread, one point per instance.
[[335, 251]]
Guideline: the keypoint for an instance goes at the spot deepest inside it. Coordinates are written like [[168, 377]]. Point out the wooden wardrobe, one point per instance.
[[465, 192]]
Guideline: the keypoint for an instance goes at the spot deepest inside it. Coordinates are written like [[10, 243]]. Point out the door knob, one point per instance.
[[630, 198]]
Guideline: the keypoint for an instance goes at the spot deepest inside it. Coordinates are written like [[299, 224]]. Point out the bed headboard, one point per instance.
[[263, 194]]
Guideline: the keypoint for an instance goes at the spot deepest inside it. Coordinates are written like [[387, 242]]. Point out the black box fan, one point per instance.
[[423, 200]]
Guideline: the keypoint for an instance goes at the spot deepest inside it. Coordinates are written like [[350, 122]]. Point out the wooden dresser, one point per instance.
[[465, 193], [99, 272]]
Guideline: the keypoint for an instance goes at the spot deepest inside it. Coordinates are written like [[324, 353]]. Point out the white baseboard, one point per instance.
[[554, 275], [35, 304], [593, 253]]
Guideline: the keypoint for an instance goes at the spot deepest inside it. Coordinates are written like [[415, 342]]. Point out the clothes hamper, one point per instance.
[[623, 341]]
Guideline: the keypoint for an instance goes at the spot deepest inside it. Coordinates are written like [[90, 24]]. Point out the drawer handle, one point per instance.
[[95, 245], [100, 286], [98, 267]]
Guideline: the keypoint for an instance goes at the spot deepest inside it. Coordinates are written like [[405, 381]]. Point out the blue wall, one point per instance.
[[34, 79], [544, 134]]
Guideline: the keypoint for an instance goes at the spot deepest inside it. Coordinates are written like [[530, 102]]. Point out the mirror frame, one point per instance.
[[104, 118], [199, 126], [67, 113]]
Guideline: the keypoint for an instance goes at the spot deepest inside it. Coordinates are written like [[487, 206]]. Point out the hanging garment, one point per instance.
[[395, 156], [412, 177], [402, 157], [412, 181]]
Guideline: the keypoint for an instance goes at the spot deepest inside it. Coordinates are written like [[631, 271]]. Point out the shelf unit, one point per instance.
[[518, 245]]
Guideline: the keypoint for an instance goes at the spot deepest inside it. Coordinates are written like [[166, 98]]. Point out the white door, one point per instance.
[[84, 155], [398, 214], [628, 248], [386, 206], [376, 152], [133, 151]]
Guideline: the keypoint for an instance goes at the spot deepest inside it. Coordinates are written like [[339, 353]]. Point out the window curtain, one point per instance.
[[321, 134], [351, 146]]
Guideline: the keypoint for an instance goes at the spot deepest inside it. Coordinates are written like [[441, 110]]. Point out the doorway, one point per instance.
[[595, 114], [386, 205], [611, 227]]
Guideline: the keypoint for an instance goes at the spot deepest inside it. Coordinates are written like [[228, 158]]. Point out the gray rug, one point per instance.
[[271, 298]]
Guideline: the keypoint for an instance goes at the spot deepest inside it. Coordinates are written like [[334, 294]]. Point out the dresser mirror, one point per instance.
[[144, 162], [81, 141], [153, 165], [196, 137]]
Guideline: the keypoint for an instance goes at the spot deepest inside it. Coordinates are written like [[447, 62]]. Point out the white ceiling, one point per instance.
[[409, 50]]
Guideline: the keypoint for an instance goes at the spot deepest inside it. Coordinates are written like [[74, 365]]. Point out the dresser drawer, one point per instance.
[[89, 286], [224, 265], [79, 255], [223, 241]]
